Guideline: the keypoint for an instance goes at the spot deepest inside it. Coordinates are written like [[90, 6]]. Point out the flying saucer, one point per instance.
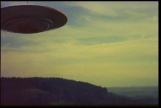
[[31, 19]]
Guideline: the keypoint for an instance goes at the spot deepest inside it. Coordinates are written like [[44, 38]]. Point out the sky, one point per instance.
[[110, 44]]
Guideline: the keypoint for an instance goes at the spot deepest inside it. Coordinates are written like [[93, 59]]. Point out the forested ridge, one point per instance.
[[56, 91]]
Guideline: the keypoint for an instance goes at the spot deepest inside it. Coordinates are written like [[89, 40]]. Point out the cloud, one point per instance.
[[99, 40], [14, 41], [12, 3], [120, 10]]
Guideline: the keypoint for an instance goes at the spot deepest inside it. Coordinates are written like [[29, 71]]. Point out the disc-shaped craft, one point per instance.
[[31, 19]]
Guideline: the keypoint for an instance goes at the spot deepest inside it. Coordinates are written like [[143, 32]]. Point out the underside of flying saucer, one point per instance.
[[31, 19]]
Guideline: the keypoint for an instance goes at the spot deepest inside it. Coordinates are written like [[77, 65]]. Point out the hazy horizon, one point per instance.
[[111, 44], [88, 82]]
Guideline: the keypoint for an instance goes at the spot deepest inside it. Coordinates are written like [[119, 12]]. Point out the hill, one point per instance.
[[56, 91]]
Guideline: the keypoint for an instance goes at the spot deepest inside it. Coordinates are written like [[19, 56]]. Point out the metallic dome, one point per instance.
[[29, 19]]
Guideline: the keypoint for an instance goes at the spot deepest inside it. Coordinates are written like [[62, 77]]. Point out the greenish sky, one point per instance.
[[104, 43]]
